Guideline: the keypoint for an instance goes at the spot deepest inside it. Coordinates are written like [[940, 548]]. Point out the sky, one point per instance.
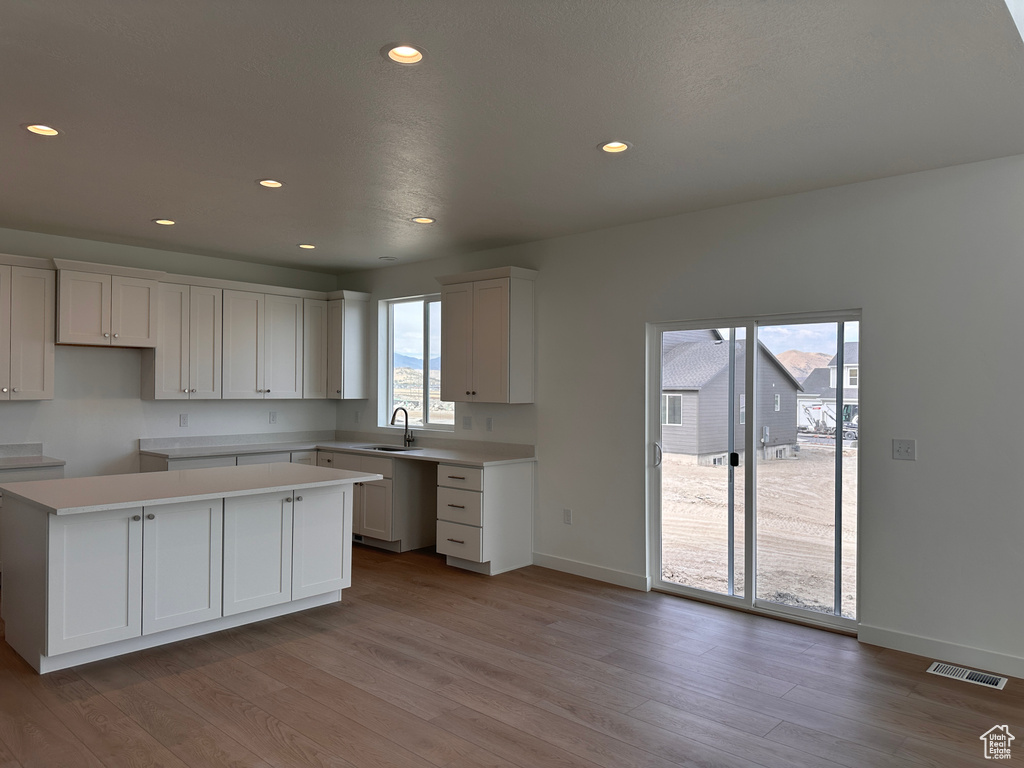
[[408, 328], [807, 337]]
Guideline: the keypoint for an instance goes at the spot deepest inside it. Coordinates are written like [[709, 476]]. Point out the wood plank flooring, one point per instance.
[[425, 666]]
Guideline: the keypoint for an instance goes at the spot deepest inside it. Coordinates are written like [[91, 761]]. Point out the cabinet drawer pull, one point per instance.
[[457, 506], [456, 541], [150, 516], [455, 477], [136, 518]]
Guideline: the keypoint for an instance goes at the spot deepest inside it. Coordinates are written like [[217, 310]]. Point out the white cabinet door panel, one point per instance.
[[94, 579], [204, 342], [5, 332], [32, 333], [314, 357], [170, 361], [84, 308], [321, 526], [182, 548], [490, 341], [243, 345], [457, 342], [283, 344], [257, 551], [376, 510], [133, 311]]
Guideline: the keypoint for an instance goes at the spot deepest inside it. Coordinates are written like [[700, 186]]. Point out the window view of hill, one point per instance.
[[800, 364]]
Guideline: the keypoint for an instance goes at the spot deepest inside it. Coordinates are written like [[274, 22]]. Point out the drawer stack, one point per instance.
[[460, 512]]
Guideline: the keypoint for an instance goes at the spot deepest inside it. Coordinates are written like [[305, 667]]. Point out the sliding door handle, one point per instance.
[[657, 454]]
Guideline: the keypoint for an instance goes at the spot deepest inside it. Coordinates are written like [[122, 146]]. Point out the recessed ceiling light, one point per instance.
[[164, 222], [270, 183], [387, 258], [403, 54], [307, 246], [42, 130], [423, 219], [614, 147]]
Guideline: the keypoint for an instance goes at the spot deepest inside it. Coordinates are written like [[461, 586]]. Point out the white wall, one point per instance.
[[936, 262]]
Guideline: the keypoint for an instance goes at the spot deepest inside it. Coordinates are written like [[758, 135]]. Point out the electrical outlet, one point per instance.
[[273, 417], [467, 422], [905, 450], [489, 424], [567, 516], [182, 419]]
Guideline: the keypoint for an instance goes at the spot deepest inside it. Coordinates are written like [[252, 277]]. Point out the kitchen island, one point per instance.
[[99, 566]]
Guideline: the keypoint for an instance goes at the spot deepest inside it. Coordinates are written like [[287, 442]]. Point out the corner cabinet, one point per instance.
[[334, 360], [487, 327], [97, 308], [186, 364], [27, 301]]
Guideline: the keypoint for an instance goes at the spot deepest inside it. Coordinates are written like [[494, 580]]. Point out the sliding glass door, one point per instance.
[[753, 499]]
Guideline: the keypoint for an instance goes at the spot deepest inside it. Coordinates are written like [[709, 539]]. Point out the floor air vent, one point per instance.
[[968, 675]]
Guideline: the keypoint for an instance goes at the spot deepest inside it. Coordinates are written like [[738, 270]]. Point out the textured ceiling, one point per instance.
[[173, 108]]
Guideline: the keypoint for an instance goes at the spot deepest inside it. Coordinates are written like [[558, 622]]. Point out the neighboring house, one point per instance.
[[694, 399], [818, 399]]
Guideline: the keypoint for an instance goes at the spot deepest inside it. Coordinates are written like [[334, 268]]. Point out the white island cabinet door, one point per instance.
[[94, 579], [257, 551], [322, 524], [181, 562]]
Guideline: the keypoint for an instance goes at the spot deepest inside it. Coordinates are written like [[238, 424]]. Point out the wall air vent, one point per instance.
[[967, 675]]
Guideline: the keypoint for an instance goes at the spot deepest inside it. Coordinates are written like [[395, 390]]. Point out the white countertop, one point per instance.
[[76, 495], [475, 457], [29, 462]]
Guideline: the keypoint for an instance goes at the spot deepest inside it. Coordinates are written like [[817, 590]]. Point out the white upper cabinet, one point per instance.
[[186, 363], [314, 357], [106, 310], [27, 304], [346, 346], [283, 333], [262, 346], [243, 345], [487, 346]]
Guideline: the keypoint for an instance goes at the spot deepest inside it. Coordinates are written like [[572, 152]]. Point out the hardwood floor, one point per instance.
[[426, 666]]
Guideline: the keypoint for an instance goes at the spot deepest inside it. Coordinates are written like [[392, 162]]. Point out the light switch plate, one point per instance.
[[905, 450]]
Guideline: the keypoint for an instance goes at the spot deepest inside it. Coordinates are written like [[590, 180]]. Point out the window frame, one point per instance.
[[665, 409], [853, 376], [778, 402], [387, 390]]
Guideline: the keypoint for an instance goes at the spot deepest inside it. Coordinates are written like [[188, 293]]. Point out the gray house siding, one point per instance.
[[782, 423], [682, 438], [712, 424]]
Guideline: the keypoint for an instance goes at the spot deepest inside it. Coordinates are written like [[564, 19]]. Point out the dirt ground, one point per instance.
[[795, 527]]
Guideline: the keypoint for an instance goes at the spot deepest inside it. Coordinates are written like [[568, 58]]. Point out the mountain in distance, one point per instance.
[[406, 361], [800, 364]]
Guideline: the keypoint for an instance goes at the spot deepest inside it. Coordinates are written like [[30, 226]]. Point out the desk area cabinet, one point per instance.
[[109, 310]]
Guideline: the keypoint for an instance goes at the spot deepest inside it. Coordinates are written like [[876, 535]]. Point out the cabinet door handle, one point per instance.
[[457, 541], [116, 335], [266, 390], [4, 389], [457, 506], [150, 516], [136, 518], [455, 477], [467, 391], [298, 498], [288, 499], [15, 390], [474, 392], [193, 390], [337, 391], [106, 335], [184, 390]]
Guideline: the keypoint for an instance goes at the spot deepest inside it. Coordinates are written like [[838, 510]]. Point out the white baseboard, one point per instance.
[[940, 650], [596, 572]]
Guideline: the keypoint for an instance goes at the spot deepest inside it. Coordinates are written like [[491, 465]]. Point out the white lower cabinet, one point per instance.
[[181, 564], [485, 516], [394, 513], [318, 562], [257, 551], [94, 584]]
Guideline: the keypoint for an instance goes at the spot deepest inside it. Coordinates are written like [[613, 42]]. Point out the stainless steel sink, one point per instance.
[[388, 448]]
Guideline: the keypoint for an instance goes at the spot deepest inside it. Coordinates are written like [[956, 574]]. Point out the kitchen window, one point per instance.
[[413, 363]]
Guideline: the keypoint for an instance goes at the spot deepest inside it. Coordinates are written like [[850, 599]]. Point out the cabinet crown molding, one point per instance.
[[108, 269], [488, 274], [25, 261]]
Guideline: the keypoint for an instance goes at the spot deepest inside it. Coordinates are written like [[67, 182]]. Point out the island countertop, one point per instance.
[[75, 495]]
